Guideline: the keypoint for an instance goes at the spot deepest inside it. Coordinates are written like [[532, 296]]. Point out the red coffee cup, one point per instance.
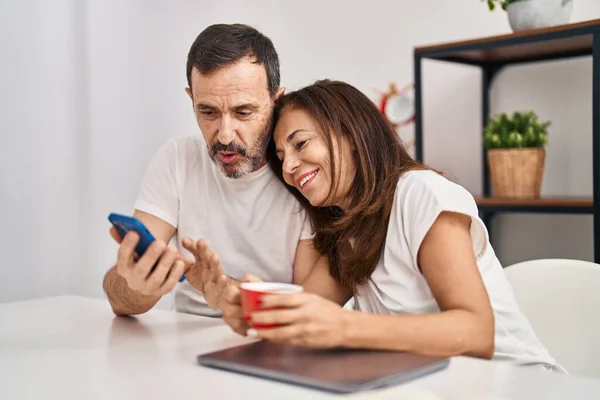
[[251, 292]]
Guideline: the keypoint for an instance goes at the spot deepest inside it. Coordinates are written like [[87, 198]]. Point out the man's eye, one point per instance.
[[243, 114], [207, 114]]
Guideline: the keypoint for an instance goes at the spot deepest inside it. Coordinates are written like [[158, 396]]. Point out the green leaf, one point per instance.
[[520, 129], [515, 139]]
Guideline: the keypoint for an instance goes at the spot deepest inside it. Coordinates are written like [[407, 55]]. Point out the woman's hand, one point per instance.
[[306, 320], [231, 306]]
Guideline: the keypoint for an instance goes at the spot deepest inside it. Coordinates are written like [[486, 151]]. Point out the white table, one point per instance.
[[74, 348]]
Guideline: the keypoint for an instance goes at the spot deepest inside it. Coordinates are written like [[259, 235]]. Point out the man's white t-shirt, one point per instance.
[[397, 286], [253, 223]]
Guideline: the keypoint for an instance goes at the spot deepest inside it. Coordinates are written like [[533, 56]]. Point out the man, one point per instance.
[[217, 187]]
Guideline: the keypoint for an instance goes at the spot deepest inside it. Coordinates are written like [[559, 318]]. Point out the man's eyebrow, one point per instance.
[[202, 106], [247, 106]]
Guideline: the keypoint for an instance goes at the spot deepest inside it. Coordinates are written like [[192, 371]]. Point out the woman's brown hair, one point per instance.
[[380, 159]]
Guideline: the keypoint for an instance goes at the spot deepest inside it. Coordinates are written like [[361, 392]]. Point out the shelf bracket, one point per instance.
[[489, 71], [596, 141], [492, 70], [418, 101]]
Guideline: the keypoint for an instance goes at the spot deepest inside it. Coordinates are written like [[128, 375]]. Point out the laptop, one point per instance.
[[336, 370]]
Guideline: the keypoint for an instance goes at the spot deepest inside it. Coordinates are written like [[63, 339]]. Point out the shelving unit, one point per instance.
[[491, 54]]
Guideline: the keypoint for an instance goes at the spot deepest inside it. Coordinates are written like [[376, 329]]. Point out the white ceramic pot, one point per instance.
[[533, 14]]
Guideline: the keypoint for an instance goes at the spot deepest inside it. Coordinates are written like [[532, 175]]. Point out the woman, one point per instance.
[[407, 242]]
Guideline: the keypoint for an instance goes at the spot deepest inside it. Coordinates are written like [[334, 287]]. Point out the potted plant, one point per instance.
[[533, 14], [516, 154]]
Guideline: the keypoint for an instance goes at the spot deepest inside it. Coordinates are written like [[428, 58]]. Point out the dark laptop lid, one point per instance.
[[339, 370]]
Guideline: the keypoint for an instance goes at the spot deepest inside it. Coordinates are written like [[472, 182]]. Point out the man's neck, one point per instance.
[[260, 165]]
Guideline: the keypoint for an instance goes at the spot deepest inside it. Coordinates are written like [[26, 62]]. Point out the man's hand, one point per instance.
[[136, 272], [220, 291], [206, 274]]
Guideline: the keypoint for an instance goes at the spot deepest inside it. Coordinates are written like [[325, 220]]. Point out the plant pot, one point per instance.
[[517, 173], [533, 14]]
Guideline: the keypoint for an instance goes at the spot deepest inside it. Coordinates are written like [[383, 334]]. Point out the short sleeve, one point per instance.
[[158, 194], [421, 196], [307, 230]]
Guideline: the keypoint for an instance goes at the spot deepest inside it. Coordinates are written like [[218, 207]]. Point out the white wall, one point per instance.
[[120, 95], [137, 101], [42, 167]]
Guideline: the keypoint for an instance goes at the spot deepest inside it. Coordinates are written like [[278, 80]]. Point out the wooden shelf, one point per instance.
[[491, 55], [561, 41], [566, 205]]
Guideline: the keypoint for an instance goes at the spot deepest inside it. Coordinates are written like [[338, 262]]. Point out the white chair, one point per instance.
[[561, 299]]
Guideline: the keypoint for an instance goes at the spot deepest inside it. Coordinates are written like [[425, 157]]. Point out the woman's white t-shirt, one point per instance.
[[398, 287]]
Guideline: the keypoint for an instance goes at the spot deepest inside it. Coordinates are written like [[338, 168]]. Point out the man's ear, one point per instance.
[[189, 92], [279, 93]]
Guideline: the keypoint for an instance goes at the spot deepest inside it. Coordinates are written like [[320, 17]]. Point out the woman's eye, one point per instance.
[[300, 145]]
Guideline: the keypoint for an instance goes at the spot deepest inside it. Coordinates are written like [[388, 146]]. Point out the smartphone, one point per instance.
[[124, 224]]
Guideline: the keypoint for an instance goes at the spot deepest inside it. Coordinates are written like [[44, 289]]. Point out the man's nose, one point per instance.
[[226, 133]]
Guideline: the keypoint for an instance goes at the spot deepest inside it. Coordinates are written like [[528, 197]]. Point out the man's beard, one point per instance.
[[248, 160]]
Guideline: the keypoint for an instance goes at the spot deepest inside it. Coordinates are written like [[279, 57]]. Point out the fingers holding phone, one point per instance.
[[115, 235], [155, 273], [148, 265]]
